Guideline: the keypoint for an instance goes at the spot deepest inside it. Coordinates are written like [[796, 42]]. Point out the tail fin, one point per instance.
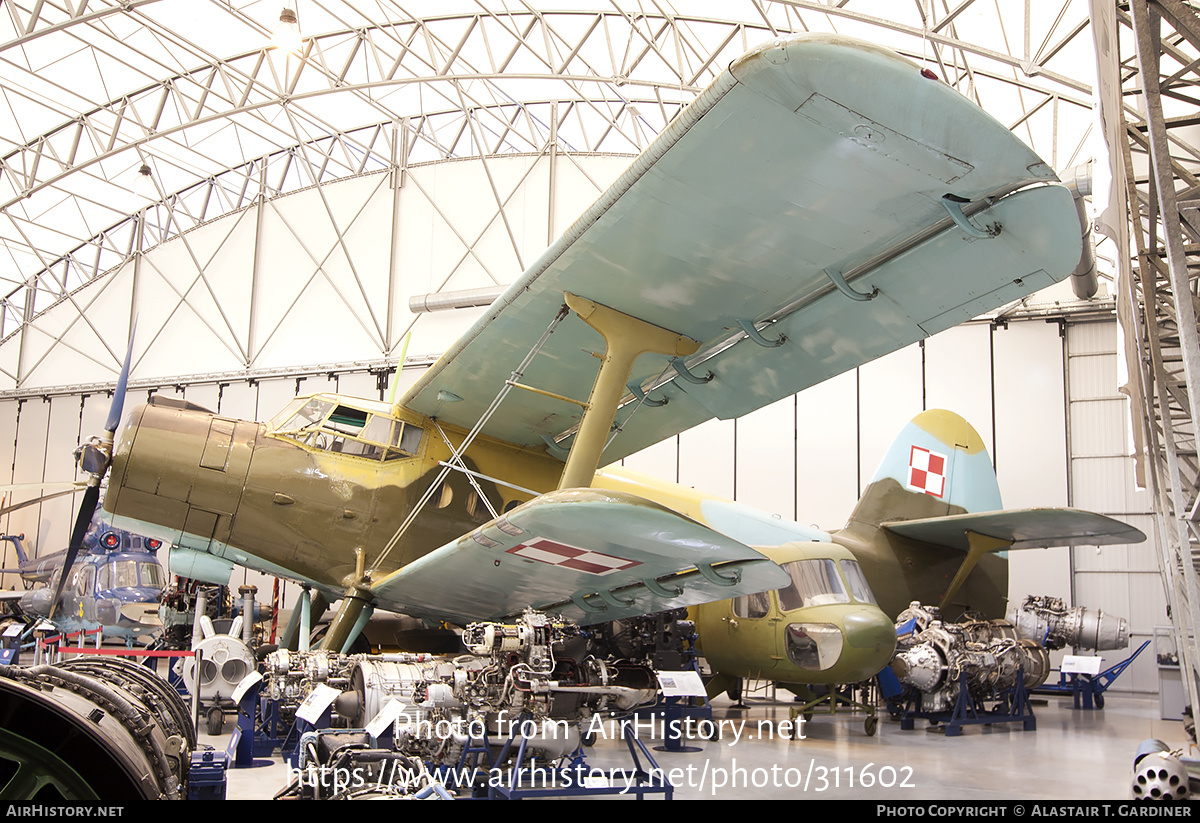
[[936, 466]]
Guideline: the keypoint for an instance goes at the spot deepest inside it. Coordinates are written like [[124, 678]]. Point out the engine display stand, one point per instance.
[[577, 779], [1013, 706], [1087, 690]]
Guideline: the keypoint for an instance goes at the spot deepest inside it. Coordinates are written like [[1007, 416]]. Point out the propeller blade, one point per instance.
[[118, 401], [87, 509], [94, 458]]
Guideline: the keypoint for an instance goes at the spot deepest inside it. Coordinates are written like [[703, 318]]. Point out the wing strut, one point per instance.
[[470, 438], [980, 544], [625, 339]]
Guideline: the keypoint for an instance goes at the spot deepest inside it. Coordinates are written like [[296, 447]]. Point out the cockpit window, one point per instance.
[[336, 427], [84, 579], [347, 420], [151, 575], [300, 415], [815, 582], [119, 574], [858, 582]]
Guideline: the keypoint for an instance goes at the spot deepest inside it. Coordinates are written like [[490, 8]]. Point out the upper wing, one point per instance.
[[1021, 529], [809, 160], [590, 555]]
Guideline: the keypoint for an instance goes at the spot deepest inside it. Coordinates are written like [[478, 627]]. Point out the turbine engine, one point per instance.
[[1047, 620]]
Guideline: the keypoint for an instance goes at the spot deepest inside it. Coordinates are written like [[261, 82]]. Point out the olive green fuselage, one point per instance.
[[234, 490]]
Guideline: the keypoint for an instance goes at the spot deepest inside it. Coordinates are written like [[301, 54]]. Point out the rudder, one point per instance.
[[937, 466]]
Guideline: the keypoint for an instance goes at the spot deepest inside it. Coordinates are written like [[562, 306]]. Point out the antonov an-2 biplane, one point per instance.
[[822, 203]]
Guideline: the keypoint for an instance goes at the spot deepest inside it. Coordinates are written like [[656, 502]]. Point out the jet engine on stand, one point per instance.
[[92, 729], [1047, 621], [986, 655]]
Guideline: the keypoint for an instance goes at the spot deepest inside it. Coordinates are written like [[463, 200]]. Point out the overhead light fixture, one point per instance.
[[144, 184], [286, 36]]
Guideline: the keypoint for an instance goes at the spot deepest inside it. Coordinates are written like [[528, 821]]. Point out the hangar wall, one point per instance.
[[318, 281]]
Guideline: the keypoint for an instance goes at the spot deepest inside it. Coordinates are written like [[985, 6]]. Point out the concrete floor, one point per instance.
[[1073, 755]]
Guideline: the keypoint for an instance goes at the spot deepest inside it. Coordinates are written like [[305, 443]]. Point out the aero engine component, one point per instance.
[[1158, 773], [1046, 620], [226, 660], [526, 678], [91, 729], [983, 653]]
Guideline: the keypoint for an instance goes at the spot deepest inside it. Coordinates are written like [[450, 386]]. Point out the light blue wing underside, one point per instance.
[[590, 555], [816, 154]]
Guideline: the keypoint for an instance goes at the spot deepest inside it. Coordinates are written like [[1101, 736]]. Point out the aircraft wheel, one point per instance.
[[871, 725], [215, 720]]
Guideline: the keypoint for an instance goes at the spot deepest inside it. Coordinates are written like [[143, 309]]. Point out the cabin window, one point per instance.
[[752, 605], [477, 507], [815, 582]]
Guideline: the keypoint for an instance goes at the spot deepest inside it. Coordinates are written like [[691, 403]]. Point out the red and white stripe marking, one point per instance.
[[571, 557]]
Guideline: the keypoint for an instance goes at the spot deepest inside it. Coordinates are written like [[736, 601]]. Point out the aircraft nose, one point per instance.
[[859, 643], [870, 630], [179, 469]]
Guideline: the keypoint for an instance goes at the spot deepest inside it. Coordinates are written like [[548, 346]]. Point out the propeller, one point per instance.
[[94, 458]]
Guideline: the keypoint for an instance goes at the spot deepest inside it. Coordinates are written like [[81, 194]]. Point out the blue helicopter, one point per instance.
[[115, 585]]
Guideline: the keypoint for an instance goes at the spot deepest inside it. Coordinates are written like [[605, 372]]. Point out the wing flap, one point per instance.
[[1021, 529], [815, 154], [590, 555]]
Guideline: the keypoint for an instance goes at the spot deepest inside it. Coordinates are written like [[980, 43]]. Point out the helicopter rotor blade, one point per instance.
[[51, 491]]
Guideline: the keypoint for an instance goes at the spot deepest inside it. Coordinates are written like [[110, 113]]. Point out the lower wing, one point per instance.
[[588, 554]]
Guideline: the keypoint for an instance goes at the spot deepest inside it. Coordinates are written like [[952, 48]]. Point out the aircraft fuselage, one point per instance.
[[298, 501]]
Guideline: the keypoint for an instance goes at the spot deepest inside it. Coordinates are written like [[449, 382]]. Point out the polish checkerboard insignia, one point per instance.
[[571, 557], [927, 471]]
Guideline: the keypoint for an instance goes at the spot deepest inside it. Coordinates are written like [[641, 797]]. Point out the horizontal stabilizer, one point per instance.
[[588, 554], [1020, 529]]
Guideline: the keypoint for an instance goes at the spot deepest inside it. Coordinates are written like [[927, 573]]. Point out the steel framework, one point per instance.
[[1158, 53]]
